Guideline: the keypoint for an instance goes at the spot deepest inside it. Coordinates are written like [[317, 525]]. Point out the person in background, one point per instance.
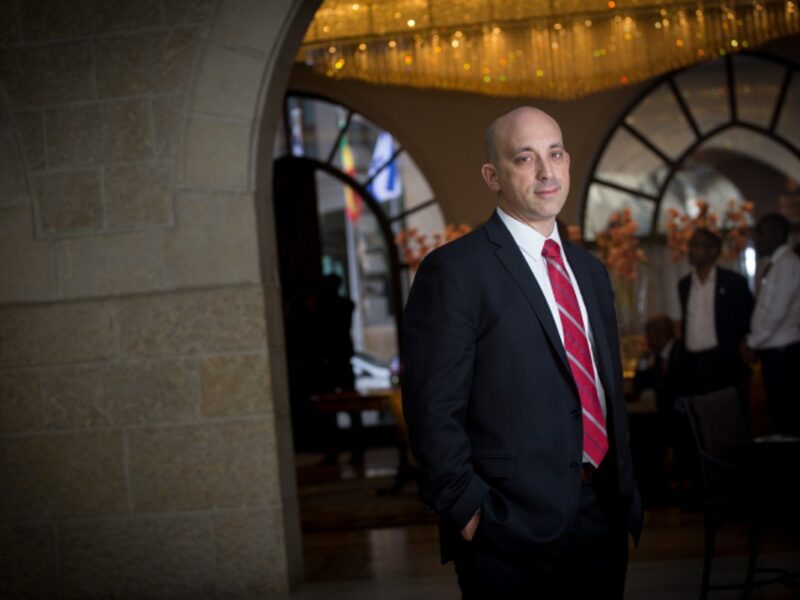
[[716, 306], [512, 389], [332, 319], [775, 326], [667, 445]]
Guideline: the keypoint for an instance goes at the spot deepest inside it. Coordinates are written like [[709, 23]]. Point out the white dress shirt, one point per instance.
[[531, 242], [701, 330], [776, 316]]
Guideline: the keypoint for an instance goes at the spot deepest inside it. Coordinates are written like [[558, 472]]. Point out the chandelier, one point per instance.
[[536, 48]]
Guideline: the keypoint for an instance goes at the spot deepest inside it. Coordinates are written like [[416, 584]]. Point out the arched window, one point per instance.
[[718, 131], [365, 188]]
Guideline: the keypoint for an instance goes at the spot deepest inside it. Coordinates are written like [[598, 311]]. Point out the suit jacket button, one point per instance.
[[575, 413], [575, 466]]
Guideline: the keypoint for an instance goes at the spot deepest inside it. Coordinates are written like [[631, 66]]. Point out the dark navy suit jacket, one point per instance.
[[491, 405]]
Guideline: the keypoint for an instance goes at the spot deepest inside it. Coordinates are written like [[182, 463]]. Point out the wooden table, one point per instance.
[[380, 399]]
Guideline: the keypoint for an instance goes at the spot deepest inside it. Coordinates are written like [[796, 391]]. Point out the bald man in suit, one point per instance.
[[513, 389]]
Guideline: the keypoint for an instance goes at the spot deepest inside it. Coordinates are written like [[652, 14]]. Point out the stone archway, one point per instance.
[[232, 113]]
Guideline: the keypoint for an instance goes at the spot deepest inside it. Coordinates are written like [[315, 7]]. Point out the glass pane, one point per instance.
[[789, 120], [603, 201], [761, 167], [279, 147], [357, 250], [660, 118], [361, 139], [401, 186], [699, 181], [626, 161], [757, 85], [705, 90], [315, 126]]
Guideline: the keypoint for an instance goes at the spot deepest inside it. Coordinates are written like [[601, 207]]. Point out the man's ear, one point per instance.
[[490, 177]]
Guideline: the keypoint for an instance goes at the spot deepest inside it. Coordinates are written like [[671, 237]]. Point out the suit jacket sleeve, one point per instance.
[[440, 325]]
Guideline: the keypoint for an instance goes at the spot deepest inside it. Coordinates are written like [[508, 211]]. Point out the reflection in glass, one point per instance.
[[314, 126], [628, 162], [789, 120], [660, 118], [705, 89], [695, 182], [757, 86], [604, 201], [362, 136]]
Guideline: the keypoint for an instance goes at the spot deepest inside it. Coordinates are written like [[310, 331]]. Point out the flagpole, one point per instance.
[[354, 282]]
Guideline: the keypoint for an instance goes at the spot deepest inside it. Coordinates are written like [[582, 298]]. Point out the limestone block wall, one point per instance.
[[144, 438]]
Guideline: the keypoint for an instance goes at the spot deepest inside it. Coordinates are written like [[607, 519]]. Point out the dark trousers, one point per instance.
[[590, 560], [780, 368]]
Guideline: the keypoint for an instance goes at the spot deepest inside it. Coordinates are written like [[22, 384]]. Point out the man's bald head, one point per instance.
[[502, 123]]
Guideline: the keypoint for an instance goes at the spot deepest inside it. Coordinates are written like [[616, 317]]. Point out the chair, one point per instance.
[[720, 438]]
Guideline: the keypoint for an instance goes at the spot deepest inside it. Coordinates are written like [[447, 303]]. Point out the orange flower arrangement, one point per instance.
[[733, 231], [619, 246], [416, 245]]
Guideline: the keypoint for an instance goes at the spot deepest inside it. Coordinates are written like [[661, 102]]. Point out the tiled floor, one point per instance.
[[359, 544]]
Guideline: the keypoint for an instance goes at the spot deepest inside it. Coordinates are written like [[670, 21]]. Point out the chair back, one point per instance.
[[719, 431]]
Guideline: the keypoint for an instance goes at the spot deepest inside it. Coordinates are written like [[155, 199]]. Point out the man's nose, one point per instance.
[[544, 170]]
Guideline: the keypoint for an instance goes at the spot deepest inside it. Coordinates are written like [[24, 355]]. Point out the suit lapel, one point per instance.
[[596, 324], [510, 255]]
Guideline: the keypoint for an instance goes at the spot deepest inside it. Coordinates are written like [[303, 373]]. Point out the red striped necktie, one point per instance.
[[576, 345]]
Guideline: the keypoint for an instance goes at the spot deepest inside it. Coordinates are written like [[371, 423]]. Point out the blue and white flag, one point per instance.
[[387, 185]]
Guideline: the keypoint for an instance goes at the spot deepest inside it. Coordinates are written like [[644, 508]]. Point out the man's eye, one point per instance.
[[522, 159], [557, 154]]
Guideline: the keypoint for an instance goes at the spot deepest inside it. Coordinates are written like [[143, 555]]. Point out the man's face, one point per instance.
[[703, 252], [530, 170]]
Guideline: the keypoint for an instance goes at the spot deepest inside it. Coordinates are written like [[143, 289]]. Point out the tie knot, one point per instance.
[[551, 249]]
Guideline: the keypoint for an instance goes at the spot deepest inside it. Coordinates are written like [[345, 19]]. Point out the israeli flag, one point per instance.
[[387, 185]]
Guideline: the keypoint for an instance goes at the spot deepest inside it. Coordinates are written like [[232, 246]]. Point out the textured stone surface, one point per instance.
[[139, 195], [246, 541], [181, 12], [229, 83], [226, 319], [251, 23], [144, 63], [215, 242], [50, 74], [121, 15], [28, 568], [54, 19], [118, 395], [235, 385], [128, 131], [166, 119], [31, 138], [60, 475], [58, 333], [9, 24], [69, 202], [13, 184], [214, 465], [33, 278], [76, 135], [20, 401], [111, 264], [217, 155], [146, 557], [98, 134]]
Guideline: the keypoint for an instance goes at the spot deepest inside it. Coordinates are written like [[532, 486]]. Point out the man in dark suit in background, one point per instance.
[[716, 305], [513, 393]]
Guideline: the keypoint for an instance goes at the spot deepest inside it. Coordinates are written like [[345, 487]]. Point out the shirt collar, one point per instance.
[[710, 280], [779, 252], [527, 238]]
